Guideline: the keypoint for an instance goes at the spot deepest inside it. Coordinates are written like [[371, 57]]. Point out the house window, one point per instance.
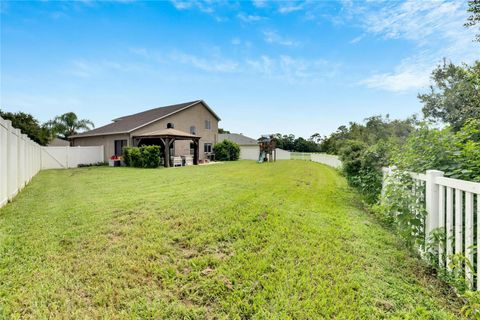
[[193, 130], [170, 125], [192, 148], [208, 124], [207, 147], [119, 144]]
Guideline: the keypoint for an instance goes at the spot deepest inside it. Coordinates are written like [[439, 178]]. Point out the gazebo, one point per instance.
[[167, 137]]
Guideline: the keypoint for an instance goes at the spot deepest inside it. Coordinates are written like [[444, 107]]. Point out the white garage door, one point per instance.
[[249, 152]]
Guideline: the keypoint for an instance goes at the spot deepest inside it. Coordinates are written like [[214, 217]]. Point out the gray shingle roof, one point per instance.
[[238, 138], [129, 123]]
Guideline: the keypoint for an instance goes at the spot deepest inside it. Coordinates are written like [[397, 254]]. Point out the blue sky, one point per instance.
[[292, 66]]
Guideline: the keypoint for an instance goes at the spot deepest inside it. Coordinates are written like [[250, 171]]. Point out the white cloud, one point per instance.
[[357, 39], [211, 64], [249, 17], [292, 69], [274, 38], [412, 74], [203, 6], [259, 3], [87, 69], [435, 28], [289, 8]]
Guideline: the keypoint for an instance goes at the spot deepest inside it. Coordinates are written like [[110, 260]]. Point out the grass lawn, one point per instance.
[[240, 240]]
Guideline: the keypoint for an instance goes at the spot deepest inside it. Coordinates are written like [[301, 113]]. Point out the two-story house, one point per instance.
[[191, 122]]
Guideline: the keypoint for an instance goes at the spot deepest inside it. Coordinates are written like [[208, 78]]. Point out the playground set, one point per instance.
[[267, 145]]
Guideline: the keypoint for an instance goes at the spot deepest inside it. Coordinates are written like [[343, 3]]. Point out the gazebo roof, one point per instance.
[[170, 132]]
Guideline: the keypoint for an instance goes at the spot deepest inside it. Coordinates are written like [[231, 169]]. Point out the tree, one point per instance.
[[455, 96], [220, 130], [474, 18], [29, 126], [68, 124]]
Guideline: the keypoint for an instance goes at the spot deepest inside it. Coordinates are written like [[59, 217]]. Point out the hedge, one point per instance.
[[142, 157]]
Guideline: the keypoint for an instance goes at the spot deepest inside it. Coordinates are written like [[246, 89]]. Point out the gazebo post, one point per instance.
[[167, 153], [195, 151]]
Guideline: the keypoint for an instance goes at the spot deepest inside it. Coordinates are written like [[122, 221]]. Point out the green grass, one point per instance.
[[241, 240]]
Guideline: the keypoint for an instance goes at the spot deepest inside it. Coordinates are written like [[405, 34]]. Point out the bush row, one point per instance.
[[142, 157]]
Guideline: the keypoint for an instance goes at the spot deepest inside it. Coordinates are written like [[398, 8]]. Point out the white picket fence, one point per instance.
[[452, 206], [21, 159]]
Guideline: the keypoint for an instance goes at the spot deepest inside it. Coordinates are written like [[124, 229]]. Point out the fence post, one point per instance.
[[432, 201]]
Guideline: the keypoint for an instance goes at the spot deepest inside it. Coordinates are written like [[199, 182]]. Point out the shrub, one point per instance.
[[226, 151], [135, 157], [142, 157], [455, 153], [126, 155], [150, 156]]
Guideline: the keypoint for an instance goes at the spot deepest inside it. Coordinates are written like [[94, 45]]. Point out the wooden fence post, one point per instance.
[[432, 201]]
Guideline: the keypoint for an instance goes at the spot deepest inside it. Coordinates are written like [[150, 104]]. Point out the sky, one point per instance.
[[299, 67]]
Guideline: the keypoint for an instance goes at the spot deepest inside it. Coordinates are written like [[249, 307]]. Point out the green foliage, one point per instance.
[[29, 126], [142, 157], [135, 157], [350, 155], [221, 130], [365, 148], [474, 18], [226, 151], [400, 206], [455, 97], [290, 143], [68, 124], [471, 309], [150, 156], [455, 153], [374, 129], [126, 156]]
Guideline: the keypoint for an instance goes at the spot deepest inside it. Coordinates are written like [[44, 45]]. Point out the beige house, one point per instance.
[[188, 128]]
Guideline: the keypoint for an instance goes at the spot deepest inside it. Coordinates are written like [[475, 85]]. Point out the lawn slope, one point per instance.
[[240, 240]]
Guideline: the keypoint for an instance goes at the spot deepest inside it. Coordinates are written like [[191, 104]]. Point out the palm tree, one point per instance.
[[68, 124]]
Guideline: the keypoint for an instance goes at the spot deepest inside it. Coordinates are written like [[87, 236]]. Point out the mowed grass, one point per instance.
[[241, 240]]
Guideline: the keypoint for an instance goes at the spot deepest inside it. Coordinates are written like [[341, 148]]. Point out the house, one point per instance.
[[189, 128], [249, 148], [58, 142]]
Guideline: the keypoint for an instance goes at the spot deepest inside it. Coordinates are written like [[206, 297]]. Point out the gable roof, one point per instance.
[[127, 124], [238, 138]]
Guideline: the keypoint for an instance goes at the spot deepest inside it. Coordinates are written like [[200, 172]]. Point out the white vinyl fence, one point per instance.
[[453, 207], [21, 159], [70, 157], [328, 159]]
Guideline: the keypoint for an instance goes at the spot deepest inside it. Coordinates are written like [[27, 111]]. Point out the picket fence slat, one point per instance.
[[449, 237], [441, 223], [469, 237], [478, 242], [458, 221]]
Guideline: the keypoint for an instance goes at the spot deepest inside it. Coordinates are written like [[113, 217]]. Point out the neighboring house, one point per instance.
[[249, 148], [57, 142], [193, 118]]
